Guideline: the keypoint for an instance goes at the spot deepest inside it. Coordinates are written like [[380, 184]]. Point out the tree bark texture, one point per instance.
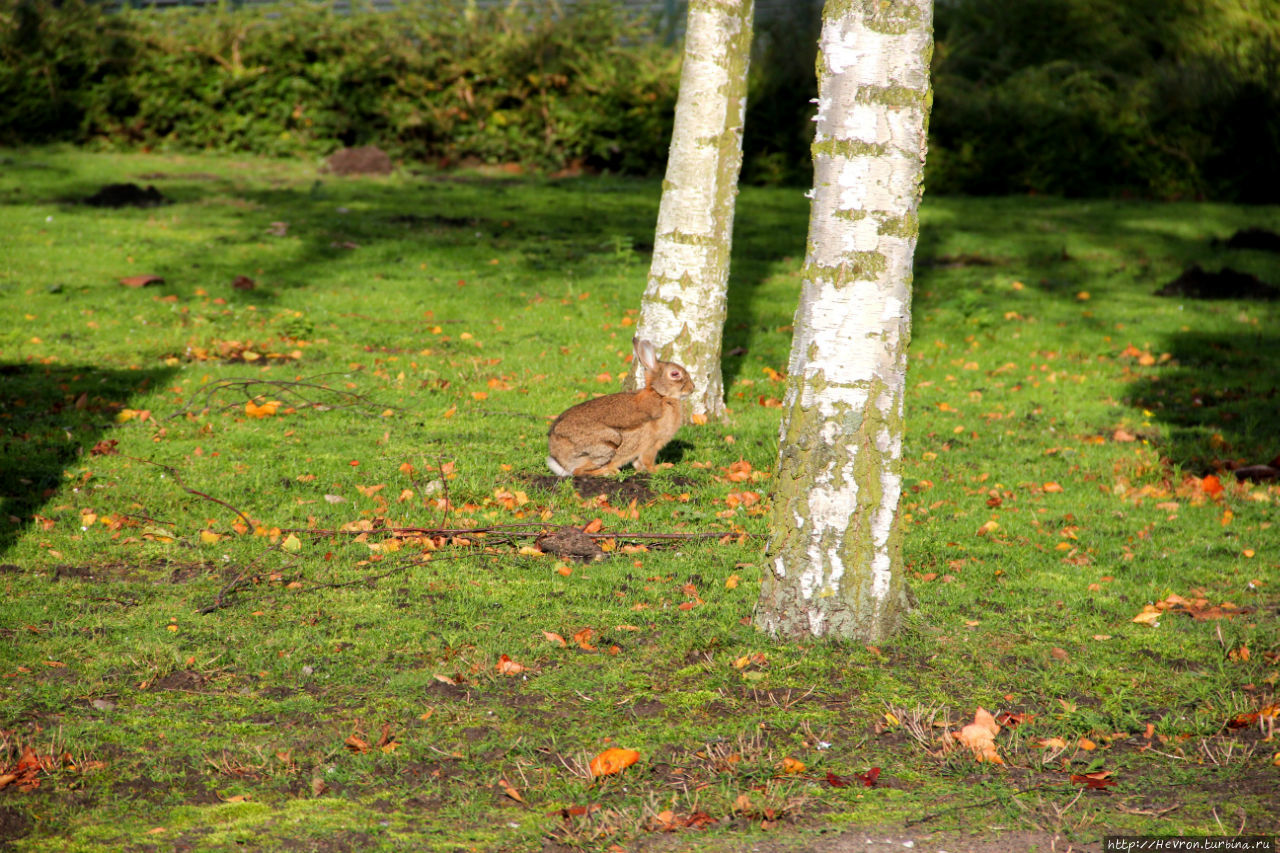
[[834, 566], [684, 303]]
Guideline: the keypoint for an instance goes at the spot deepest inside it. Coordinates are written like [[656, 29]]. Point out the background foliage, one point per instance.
[[1155, 98]]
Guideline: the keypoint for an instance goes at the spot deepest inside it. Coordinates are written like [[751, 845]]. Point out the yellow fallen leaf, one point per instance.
[[1150, 615], [291, 543], [731, 582], [792, 766]]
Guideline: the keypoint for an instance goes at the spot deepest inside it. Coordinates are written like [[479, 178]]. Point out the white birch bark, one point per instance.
[[684, 303], [833, 559]]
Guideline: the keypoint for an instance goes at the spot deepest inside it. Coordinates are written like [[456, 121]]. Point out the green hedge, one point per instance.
[[1155, 98], [423, 83]]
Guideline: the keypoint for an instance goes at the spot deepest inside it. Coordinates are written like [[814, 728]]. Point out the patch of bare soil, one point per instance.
[[619, 492], [126, 195], [365, 160], [1226, 283], [182, 679], [1261, 239], [14, 824]]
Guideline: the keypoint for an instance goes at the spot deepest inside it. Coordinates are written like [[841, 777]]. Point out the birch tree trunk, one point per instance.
[[684, 303], [833, 560]]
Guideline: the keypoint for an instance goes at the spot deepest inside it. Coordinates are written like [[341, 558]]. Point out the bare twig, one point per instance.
[[173, 472], [525, 530], [299, 390]]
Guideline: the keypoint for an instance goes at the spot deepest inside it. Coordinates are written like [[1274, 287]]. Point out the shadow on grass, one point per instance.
[[50, 417], [546, 231], [1222, 400]]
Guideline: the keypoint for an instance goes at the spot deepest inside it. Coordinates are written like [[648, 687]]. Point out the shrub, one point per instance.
[[499, 85]]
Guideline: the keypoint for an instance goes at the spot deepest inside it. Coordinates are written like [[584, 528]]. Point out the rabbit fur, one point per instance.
[[598, 437]]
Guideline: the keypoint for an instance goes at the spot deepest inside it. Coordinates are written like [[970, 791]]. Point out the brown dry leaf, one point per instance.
[[1123, 435], [613, 760], [357, 744], [979, 737]]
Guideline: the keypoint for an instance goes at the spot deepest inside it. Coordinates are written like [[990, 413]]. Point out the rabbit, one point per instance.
[[598, 437]]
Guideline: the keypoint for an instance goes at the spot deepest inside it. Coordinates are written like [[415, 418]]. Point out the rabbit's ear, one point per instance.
[[645, 352]]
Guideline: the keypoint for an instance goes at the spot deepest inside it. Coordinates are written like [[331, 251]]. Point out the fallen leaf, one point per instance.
[[792, 766], [510, 791], [553, 637], [613, 760], [1101, 779], [506, 666], [979, 737], [583, 639]]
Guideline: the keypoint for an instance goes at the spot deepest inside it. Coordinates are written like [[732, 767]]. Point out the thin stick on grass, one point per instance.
[[177, 478], [288, 388]]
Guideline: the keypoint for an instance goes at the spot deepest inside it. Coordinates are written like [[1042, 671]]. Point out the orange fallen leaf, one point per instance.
[[583, 639], [553, 637], [1101, 779], [979, 737], [613, 760], [510, 791], [792, 766], [506, 666], [266, 410]]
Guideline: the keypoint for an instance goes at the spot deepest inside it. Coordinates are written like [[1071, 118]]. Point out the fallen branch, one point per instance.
[[526, 530], [298, 391], [173, 472]]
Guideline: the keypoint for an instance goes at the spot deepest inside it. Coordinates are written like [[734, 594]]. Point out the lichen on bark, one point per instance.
[[834, 554], [695, 221]]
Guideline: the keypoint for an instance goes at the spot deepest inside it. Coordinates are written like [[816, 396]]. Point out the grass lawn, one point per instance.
[[217, 633]]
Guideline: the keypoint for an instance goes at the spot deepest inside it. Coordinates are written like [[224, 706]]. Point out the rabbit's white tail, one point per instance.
[[557, 468]]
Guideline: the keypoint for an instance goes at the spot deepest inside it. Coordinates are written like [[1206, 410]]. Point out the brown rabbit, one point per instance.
[[598, 437]]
